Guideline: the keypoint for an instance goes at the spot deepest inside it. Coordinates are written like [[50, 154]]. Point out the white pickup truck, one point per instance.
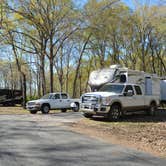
[[116, 99], [53, 101]]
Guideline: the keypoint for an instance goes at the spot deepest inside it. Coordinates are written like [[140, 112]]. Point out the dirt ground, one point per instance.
[[140, 132]]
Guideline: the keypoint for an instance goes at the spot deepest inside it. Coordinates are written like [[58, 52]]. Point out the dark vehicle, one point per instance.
[[10, 97]]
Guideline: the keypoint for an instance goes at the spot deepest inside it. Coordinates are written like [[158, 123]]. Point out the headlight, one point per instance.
[[106, 100], [73, 105], [37, 104]]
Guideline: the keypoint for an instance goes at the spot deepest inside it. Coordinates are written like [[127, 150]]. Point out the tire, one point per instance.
[[63, 110], [114, 113], [11, 104], [76, 109], [45, 109], [86, 115], [152, 110], [33, 111]]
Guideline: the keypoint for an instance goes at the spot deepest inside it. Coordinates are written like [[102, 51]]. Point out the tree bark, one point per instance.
[[78, 66], [23, 76], [42, 71], [51, 59], [24, 90]]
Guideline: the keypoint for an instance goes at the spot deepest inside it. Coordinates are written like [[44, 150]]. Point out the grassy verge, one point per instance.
[[20, 110], [13, 110]]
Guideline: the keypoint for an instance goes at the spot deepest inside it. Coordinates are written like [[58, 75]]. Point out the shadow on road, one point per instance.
[[30, 143]]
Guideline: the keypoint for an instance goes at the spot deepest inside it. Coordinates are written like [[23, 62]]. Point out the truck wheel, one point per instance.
[[63, 110], [33, 111], [86, 115], [45, 109], [114, 113], [152, 110], [76, 108]]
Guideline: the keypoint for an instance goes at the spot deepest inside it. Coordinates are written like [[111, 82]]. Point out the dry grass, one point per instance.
[[139, 132], [18, 110], [13, 110]]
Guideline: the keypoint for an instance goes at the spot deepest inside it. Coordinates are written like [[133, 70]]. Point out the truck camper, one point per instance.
[[151, 84], [118, 90]]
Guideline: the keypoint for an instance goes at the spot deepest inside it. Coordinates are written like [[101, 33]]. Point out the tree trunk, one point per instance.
[[42, 70], [24, 90], [51, 59], [51, 75], [78, 66], [23, 77], [88, 73], [61, 69], [30, 83], [67, 77], [38, 84]]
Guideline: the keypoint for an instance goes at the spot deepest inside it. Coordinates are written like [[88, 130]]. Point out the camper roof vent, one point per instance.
[[115, 66]]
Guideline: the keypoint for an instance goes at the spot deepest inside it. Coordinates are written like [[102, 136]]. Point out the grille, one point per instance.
[[31, 103], [90, 99]]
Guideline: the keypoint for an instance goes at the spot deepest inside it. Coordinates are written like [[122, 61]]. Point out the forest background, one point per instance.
[[53, 45]]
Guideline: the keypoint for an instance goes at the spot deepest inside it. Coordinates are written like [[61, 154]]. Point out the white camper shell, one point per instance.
[[121, 91]]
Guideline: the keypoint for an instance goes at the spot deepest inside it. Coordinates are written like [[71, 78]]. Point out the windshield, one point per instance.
[[47, 96], [112, 88]]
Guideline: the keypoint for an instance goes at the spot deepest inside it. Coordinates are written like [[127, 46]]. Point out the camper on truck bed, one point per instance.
[[118, 90], [116, 99]]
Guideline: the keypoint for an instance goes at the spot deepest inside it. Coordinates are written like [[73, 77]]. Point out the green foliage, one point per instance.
[[49, 39], [29, 98]]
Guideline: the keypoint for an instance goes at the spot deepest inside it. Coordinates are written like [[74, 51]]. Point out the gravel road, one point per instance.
[[43, 140]]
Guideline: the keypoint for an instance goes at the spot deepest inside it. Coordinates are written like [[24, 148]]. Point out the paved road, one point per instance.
[[41, 140]]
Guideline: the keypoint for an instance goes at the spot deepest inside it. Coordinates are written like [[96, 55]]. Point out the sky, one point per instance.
[[128, 2]]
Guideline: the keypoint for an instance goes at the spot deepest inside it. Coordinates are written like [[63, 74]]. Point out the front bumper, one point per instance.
[[95, 110], [33, 108]]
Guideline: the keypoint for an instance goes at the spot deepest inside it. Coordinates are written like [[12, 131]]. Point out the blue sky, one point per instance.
[[128, 2]]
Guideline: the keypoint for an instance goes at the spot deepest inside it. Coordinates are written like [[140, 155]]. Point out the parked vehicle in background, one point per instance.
[[53, 101], [10, 97], [118, 90]]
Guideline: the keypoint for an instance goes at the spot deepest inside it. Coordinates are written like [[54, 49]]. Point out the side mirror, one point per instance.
[[129, 93]]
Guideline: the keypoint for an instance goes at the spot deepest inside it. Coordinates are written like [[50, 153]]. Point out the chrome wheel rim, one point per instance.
[[76, 108], [46, 109], [152, 109], [115, 113]]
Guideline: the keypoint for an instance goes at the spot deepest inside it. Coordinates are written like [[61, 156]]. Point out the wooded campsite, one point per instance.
[[53, 45]]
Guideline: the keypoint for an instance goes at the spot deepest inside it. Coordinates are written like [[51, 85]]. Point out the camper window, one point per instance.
[[122, 78]]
